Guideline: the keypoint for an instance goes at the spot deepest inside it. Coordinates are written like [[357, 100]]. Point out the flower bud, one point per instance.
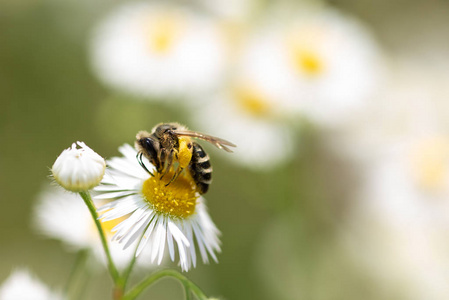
[[78, 169]]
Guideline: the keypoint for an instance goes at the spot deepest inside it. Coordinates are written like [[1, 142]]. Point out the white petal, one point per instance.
[[177, 234], [200, 243], [112, 195], [137, 230], [171, 249], [157, 238], [147, 236], [189, 233], [162, 244]]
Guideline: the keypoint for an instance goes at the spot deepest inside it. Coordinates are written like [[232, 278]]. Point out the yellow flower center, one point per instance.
[[252, 101], [303, 49], [307, 61], [429, 163], [163, 31], [178, 199]]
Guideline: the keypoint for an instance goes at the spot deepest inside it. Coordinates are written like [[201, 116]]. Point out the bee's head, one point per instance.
[[149, 146]]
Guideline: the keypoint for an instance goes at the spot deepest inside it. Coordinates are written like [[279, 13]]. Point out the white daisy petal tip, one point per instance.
[[162, 217], [78, 168]]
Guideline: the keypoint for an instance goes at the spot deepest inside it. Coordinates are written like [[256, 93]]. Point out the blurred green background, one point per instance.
[[278, 227]]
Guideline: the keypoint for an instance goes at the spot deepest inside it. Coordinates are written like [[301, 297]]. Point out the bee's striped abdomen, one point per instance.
[[200, 168]]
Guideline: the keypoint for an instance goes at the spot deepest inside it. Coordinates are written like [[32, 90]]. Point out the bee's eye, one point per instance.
[[189, 145], [148, 144]]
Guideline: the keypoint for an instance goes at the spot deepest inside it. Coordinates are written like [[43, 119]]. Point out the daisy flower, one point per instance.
[[160, 216], [63, 216], [249, 115], [250, 112], [413, 105], [78, 168], [158, 51], [409, 180], [24, 286], [401, 220], [320, 63]]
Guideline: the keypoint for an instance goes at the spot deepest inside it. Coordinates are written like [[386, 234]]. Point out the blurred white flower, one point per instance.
[[78, 169], [402, 218], [231, 9], [161, 213], [249, 116], [158, 51], [64, 216], [319, 62], [404, 258], [399, 228], [412, 105], [409, 181], [21, 285]]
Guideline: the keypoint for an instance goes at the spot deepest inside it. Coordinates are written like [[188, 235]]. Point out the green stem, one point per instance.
[[188, 285], [127, 272], [78, 266], [187, 291], [111, 266], [82, 287]]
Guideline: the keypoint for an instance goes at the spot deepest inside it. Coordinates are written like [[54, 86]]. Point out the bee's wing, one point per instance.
[[219, 143]]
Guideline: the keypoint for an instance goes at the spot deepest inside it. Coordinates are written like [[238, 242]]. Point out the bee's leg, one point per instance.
[[139, 159], [178, 171], [169, 163], [161, 155]]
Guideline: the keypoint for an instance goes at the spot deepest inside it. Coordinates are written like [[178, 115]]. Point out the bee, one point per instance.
[[170, 143]]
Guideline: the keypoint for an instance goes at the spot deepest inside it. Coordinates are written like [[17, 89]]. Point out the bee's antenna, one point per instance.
[[139, 159]]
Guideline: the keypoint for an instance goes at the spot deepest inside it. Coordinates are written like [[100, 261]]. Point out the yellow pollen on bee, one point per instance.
[[252, 101], [185, 151], [162, 32], [430, 163], [178, 199]]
